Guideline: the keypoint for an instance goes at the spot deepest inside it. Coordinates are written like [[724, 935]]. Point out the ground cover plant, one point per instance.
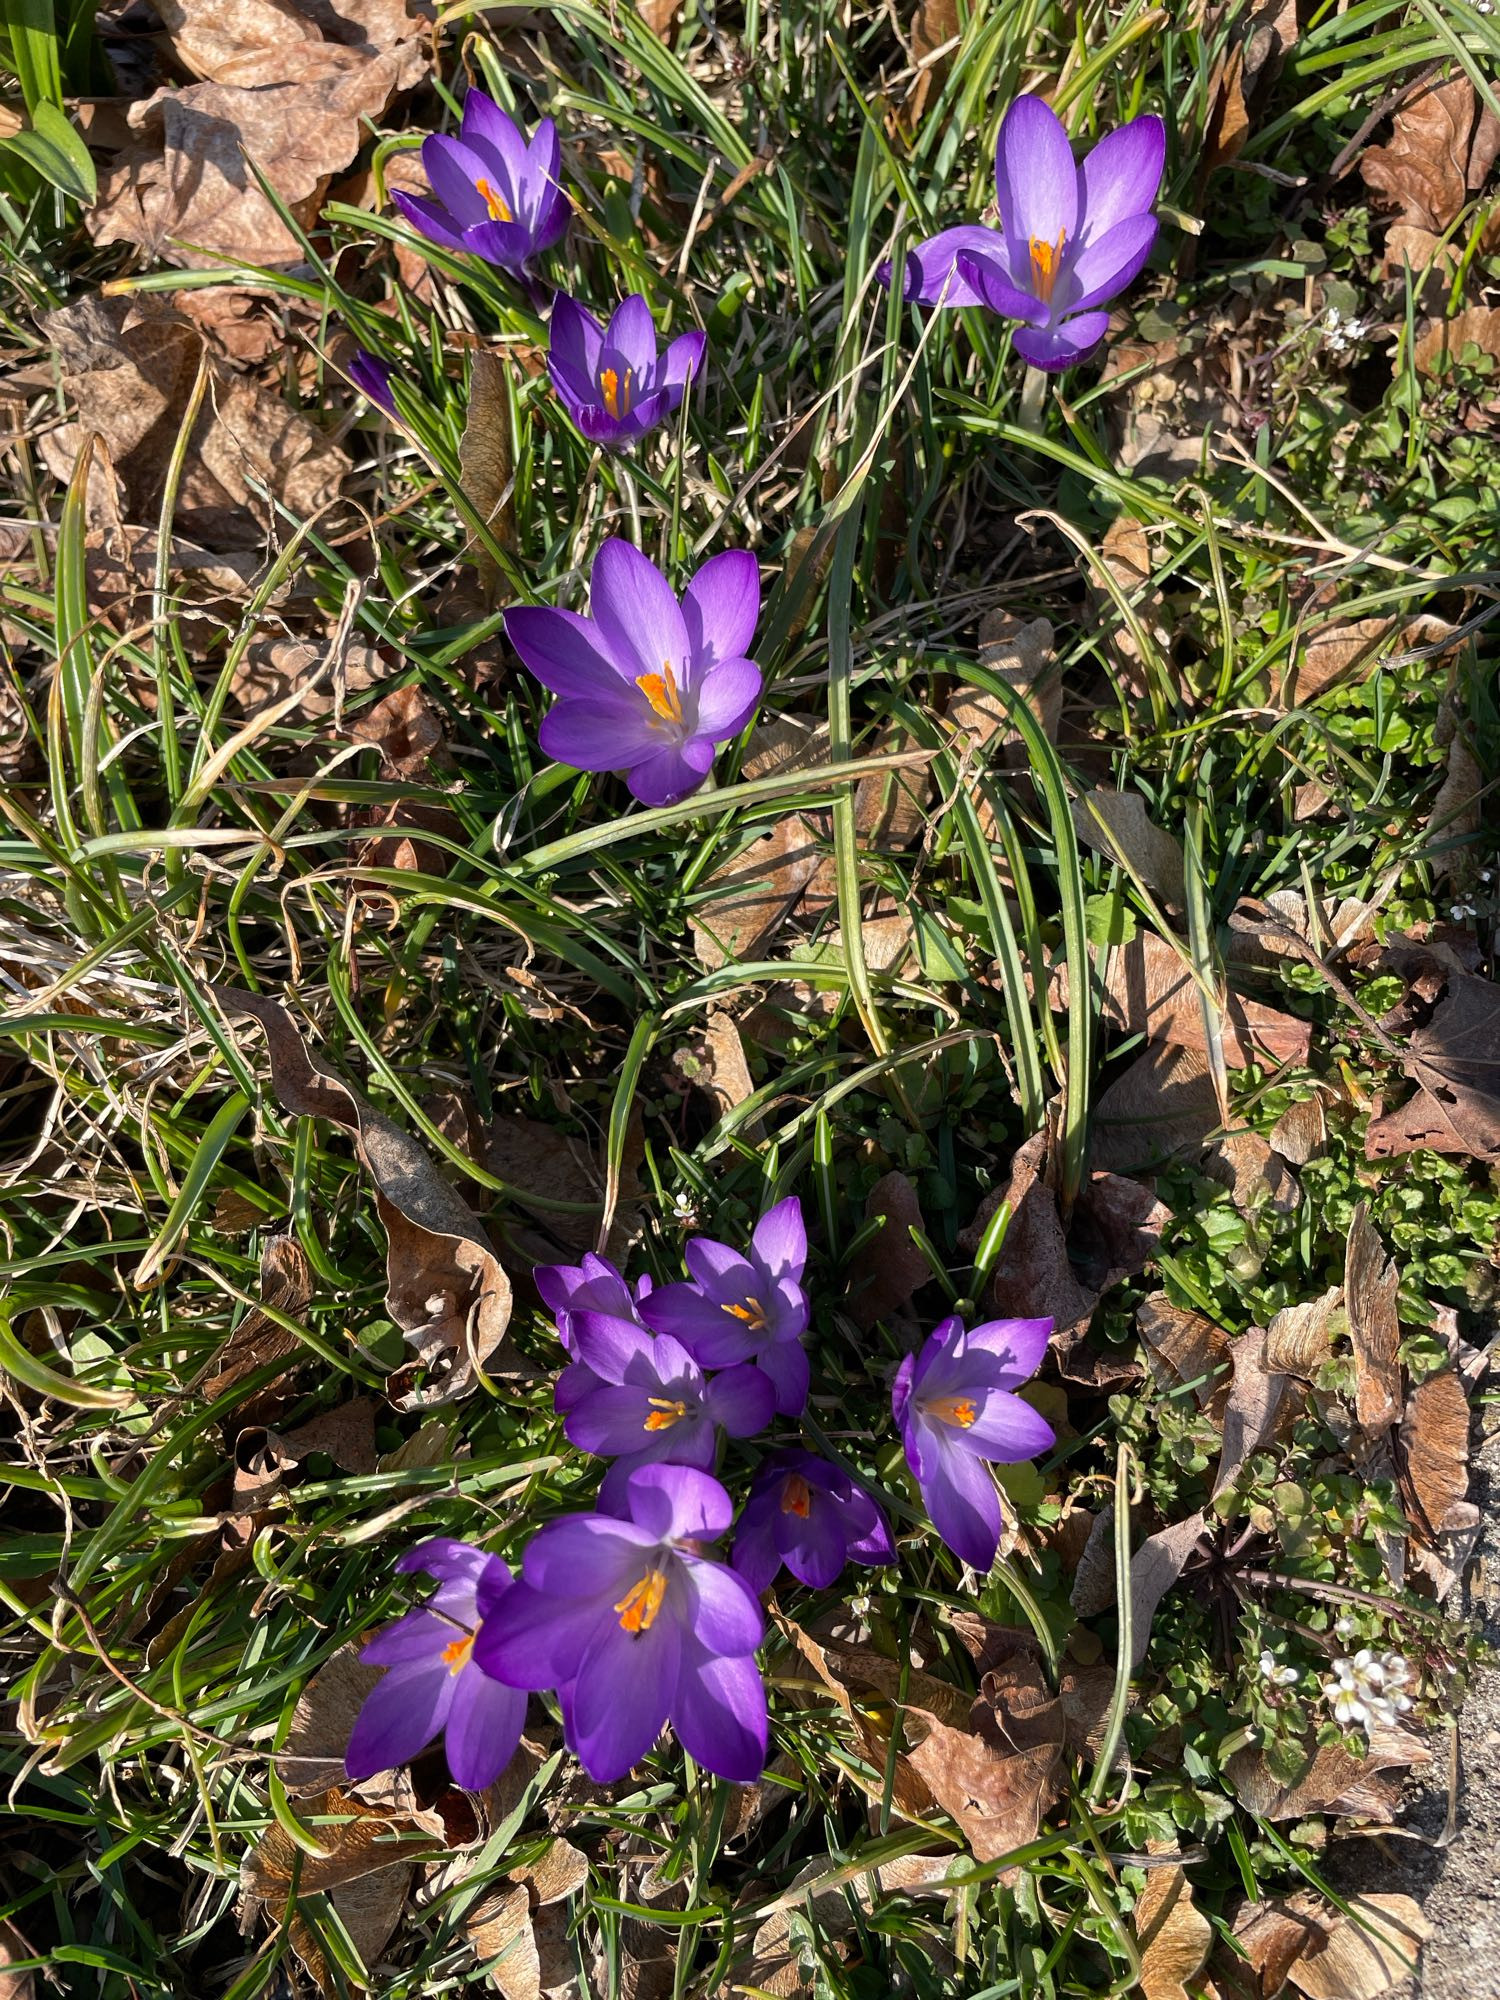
[[748, 1028]]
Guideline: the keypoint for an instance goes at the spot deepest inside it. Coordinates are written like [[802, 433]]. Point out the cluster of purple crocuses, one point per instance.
[[649, 686], [627, 1614]]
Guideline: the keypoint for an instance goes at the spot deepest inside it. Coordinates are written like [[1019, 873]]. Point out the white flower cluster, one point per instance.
[[1340, 334], [1369, 1690], [1283, 1677]]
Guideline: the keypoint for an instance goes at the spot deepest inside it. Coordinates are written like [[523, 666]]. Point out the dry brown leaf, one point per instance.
[[13, 1947], [1021, 654], [1173, 1935], [1457, 817], [1126, 554], [272, 667], [408, 733], [445, 1289], [717, 1063], [1094, 1580], [486, 461], [1300, 1338], [999, 1777], [751, 895], [1330, 1780], [1154, 1568], [1115, 824], [1243, 79], [1271, 1935], [256, 42], [1163, 1106], [1371, 1283], [934, 25], [1435, 1455], [1366, 1953], [1439, 340], [1424, 171], [1149, 990], [1250, 1415], [322, 1722], [1253, 1171], [1185, 1347], [286, 1287], [1301, 1132], [891, 1265], [1455, 1061], [184, 192], [363, 1864], [660, 16], [774, 1965]]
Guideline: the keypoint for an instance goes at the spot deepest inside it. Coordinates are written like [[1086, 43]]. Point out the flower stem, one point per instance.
[[631, 498], [1033, 391]]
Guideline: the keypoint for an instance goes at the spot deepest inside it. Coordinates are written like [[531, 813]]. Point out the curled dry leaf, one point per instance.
[[1371, 1283], [934, 27], [1250, 1415], [1434, 1456], [445, 1289], [1172, 1933], [1185, 1348], [1243, 79], [1163, 1106], [1365, 1954], [1271, 1936], [1439, 342], [486, 462], [1455, 1061], [1329, 1779], [1149, 990], [1115, 824], [258, 1340], [891, 1267], [1300, 1338], [1440, 152], [1154, 1568], [999, 1777], [256, 42]]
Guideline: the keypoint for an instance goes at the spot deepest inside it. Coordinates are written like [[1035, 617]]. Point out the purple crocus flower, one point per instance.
[[649, 686], [739, 1307], [595, 1285], [433, 1684], [1070, 237], [492, 192], [651, 1402], [813, 1517], [955, 1409], [614, 383], [635, 1627], [372, 377]]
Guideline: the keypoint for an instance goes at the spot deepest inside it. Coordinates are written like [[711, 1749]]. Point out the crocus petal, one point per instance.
[[901, 1395], [677, 1503], [934, 275], [575, 340], [682, 359], [756, 1556], [594, 1285], [791, 1375], [742, 1399], [960, 1496], [723, 1612], [635, 611], [592, 735], [1018, 1345], [622, 1694], [547, 207], [564, 653], [721, 605], [609, 1345], [814, 1548], [493, 134], [671, 774], [582, 1556], [780, 1240], [444, 1557], [713, 1337], [722, 1272], [398, 1720], [1005, 1428], [454, 171], [614, 1419], [1035, 178], [535, 1640], [990, 283], [507, 244], [1121, 176], [1109, 263], [419, 1636], [483, 1729], [720, 1716], [599, 427], [630, 340], [1058, 347], [430, 218], [872, 1541], [573, 1384], [727, 699], [935, 1350]]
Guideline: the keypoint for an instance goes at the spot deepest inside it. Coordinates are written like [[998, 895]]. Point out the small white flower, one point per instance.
[[1369, 1690], [1346, 1627], [1284, 1677], [1484, 6], [1461, 910], [1340, 334], [684, 1209]]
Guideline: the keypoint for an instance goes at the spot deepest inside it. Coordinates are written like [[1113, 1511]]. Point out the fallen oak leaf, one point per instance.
[[1154, 1568], [1371, 1285], [1186, 1347], [1455, 1061], [1329, 1780], [1149, 990], [1366, 1953], [1434, 1455], [1435, 158], [1254, 1402], [445, 1288], [998, 1779], [1172, 1932], [1300, 1338]]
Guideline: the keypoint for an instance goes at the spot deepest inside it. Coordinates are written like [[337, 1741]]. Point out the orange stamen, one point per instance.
[[1046, 262], [795, 1498], [664, 1414], [617, 395], [497, 205], [952, 1410], [456, 1656], [752, 1312], [662, 693], [640, 1604]]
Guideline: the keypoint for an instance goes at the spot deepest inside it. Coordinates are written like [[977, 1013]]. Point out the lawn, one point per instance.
[[1049, 860]]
